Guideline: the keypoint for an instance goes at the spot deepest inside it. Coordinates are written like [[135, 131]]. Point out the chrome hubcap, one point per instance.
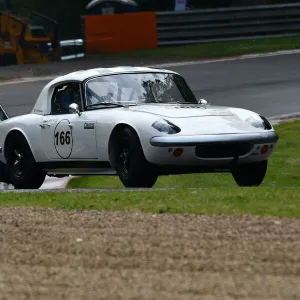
[[19, 157], [124, 159], [18, 162]]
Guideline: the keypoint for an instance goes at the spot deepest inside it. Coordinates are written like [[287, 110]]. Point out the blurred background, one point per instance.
[[67, 12]]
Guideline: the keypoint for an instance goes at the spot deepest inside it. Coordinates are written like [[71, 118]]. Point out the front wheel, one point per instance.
[[22, 169], [251, 174], [130, 163]]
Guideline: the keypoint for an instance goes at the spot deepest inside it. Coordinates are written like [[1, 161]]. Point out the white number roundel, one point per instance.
[[63, 140]]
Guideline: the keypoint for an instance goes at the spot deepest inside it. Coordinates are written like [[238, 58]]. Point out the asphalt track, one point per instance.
[[267, 85]]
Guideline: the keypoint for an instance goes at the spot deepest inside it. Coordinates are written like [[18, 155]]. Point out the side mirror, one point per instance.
[[74, 109], [202, 101]]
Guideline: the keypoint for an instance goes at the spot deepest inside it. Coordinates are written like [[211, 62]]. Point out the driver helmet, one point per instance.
[[68, 97]]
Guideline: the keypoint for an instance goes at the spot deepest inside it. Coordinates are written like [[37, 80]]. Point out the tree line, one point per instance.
[[69, 12]]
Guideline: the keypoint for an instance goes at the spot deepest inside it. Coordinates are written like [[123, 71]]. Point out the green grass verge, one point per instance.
[[283, 169], [281, 202], [213, 50]]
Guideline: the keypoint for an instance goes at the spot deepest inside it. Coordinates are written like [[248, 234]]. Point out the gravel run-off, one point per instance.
[[56, 254]]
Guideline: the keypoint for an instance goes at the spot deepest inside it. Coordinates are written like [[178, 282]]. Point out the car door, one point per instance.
[[65, 135], [84, 135]]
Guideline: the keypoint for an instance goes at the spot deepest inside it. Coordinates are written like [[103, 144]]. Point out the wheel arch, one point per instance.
[[113, 135], [16, 132]]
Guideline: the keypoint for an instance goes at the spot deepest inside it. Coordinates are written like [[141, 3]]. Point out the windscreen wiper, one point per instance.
[[184, 102], [111, 104]]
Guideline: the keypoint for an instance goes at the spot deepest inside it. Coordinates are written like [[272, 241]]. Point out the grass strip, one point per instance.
[[283, 169], [282, 202], [213, 49]]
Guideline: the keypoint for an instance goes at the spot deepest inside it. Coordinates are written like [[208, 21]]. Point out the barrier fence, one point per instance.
[[72, 49], [236, 23], [148, 30]]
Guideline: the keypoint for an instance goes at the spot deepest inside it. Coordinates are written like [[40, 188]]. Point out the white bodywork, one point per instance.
[[89, 147]]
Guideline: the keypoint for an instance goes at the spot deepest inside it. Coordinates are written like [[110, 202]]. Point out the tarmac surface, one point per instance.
[[267, 85]]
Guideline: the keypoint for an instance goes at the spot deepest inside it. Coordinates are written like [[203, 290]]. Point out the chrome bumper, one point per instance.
[[193, 140]]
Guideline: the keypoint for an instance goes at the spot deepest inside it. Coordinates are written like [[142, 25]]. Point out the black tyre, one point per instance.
[[129, 161], [251, 174], [3, 173], [22, 169]]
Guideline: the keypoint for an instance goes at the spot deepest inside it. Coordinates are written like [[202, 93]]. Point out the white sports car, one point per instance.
[[138, 123]]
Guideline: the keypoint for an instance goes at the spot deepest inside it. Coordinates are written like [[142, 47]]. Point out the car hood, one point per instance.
[[195, 119], [183, 111]]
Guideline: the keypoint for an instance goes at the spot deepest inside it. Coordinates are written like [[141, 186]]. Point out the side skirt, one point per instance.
[[65, 168]]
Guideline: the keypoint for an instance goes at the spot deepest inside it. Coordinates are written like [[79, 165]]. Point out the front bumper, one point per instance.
[[211, 151], [181, 141]]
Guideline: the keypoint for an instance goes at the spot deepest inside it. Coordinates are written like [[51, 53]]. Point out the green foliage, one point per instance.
[[68, 12], [211, 50], [267, 201]]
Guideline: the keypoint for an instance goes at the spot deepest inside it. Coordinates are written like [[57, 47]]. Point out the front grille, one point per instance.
[[222, 150]]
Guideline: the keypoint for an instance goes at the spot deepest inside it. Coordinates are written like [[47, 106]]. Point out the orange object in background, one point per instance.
[[120, 32]]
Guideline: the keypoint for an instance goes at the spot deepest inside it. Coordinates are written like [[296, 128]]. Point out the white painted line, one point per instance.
[[27, 79], [240, 57], [55, 183], [286, 116], [174, 64]]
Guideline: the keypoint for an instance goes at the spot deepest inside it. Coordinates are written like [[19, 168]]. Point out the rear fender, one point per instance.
[[17, 131]]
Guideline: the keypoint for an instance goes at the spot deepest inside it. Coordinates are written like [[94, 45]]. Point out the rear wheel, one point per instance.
[[251, 174], [129, 161], [3, 173], [22, 169]]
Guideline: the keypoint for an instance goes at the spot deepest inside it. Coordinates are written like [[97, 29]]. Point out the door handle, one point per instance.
[[44, 125]]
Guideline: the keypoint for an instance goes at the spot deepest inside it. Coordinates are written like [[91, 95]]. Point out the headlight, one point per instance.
[[165, 126], [258, 121]]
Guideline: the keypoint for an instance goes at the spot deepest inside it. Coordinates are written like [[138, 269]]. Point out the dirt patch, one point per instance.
[[52, 254], [293, 161], [62, 67]]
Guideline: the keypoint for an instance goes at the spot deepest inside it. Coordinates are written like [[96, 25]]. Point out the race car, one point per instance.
[[136, 122]]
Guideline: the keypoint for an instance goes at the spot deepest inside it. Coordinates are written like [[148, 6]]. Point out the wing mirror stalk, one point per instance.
[[74, 109], [202, 101]]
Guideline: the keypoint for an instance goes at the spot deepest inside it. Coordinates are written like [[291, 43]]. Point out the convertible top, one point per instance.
[[85, 74], [42, 105]]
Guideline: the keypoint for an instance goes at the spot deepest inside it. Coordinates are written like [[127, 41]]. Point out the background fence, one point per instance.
[[197, 26], [71, 49]]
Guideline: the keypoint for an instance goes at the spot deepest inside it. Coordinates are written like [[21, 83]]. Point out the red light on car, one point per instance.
[[178, 152], [264, 149]]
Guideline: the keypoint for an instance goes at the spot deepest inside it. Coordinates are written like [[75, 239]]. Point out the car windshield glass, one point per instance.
[[3, 115], [138, 88]]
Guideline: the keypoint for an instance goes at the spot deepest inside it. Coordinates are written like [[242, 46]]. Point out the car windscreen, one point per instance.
[[3, 115], [138, 88]]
